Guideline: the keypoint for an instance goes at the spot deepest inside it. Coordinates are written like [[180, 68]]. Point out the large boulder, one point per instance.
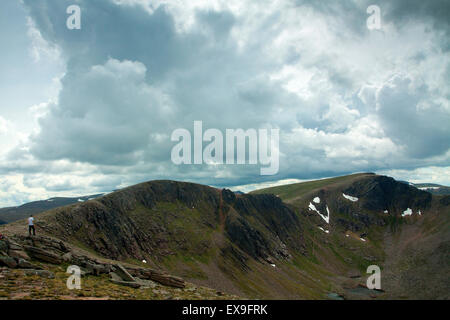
[[43, 255], [115, 278], [4, 247], [19, 254], [67, 257], [24, 264], [8, 262], [123, 273], [158, 276]]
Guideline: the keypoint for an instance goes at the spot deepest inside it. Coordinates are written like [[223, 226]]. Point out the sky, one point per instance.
[[91, 110]]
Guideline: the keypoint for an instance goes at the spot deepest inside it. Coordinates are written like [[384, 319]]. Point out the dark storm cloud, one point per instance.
[[133, 77]]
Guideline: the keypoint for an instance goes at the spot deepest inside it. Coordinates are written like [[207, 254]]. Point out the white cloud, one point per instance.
[[344, 98]]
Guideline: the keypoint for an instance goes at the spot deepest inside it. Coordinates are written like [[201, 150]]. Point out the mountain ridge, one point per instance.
[[266, 244]]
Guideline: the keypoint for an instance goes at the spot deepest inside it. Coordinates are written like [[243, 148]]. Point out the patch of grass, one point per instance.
[[290, 191]]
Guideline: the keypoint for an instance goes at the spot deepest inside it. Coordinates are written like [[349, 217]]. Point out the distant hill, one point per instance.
[[11, 214], [432, 188]]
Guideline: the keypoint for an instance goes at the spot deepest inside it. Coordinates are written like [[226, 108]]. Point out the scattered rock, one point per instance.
[[42, 273], [163, 278], [132, 284], [115, 276], [147, 283], [24, 264], [123, 273], [370, 258], [191, 289], [67, 257], [8, 262], [354, 274], [4, 245], [18, 254], [43, 255], [160, 291], [14, 246]]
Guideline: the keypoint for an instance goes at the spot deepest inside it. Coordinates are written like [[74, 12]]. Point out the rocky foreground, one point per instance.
[[34, 267]]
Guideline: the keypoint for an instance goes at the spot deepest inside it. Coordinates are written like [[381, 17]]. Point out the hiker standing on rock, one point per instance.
[[31, 225]]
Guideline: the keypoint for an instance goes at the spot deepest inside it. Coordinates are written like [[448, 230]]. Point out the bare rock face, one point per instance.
[[268, 235], [145, 220]]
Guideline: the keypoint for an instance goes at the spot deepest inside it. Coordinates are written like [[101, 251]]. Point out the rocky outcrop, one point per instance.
[[262, 226], [157, 276], [43, 255], [380, 193], [123, 273], [52, 251]]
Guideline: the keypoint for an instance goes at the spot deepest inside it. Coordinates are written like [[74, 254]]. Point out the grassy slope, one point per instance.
[[291, 192]]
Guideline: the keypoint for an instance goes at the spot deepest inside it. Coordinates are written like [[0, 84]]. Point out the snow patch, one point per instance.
[[346, 196], [326, 231], [363, 239], [429, 188], [316, 200], [313, 208], [80, 200], [407, 212]]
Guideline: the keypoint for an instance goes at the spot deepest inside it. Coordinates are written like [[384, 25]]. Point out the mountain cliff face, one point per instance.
[[163, 220], [303, 240]]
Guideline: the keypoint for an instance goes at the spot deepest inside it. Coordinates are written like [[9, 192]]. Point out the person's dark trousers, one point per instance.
[[31, 228]]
